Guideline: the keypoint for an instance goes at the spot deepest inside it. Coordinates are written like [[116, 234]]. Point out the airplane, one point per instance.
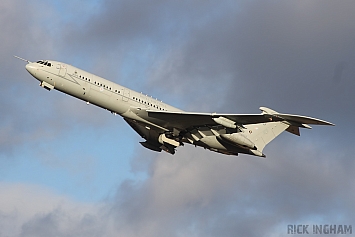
[[165, 127]]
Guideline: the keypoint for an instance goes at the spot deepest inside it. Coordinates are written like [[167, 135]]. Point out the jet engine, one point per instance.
[[239, 140]]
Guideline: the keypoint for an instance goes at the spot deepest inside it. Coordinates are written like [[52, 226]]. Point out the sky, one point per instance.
[[71, 169]]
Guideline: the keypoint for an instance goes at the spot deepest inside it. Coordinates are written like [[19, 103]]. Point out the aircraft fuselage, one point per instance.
[[94, 89], [165, 127]]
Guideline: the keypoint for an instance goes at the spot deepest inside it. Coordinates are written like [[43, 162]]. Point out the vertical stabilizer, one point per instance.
[[263, 133]]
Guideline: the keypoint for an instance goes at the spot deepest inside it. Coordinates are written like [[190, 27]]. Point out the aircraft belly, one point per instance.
[[142, 114], [68, 87], [99, 98], [117, 105]]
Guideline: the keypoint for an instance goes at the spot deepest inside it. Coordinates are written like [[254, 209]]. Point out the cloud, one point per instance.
[[28, 111], [196, 194], [296, 57], [29, 210]]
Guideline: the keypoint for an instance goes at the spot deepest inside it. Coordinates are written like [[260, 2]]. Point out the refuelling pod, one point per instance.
[[239, 140]]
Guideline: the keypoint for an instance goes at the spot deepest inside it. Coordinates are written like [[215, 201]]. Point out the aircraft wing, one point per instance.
[[185, 120], [302, 119]]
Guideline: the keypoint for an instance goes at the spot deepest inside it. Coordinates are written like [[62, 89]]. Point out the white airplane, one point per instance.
[[165, 127]]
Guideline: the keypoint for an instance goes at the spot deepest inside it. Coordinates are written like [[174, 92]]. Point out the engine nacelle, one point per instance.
[[239, 140]]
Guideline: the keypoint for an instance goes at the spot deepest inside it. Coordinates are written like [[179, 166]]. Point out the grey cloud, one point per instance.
[[296, 57], [163, 28], [62, 223], [197, 194], [136, 20], [28, 111], [277, 54]]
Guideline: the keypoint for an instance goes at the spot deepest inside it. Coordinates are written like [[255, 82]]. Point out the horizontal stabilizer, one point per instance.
[[302, 121]]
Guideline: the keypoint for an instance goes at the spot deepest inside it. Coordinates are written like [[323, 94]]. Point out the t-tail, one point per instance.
[[263, 133]]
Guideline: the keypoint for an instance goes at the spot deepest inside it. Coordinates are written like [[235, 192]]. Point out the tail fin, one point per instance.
[[263, 133]]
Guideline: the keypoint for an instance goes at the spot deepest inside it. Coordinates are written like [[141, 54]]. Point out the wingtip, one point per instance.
[[326, 123]]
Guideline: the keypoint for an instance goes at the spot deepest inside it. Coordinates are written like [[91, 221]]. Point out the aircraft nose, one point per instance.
[[31, 69]]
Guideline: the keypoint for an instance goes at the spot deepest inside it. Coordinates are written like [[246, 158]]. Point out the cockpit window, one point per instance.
[[44, 63]]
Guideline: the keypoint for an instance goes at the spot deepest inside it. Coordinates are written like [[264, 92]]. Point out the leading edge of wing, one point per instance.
[[185, 120]]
